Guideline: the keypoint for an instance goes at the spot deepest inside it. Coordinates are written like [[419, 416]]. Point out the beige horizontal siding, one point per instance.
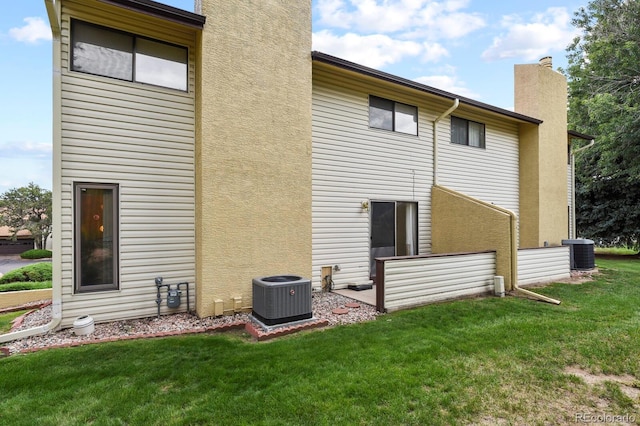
[[140, 137], [419, 281], [540, 265], [353, 163], [490, 174]]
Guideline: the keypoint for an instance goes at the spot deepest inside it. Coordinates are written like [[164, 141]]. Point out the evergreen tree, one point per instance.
[[604, 101]]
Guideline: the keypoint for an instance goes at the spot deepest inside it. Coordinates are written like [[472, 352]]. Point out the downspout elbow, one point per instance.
[[514, 263], [456, 103], [593, 142], [35, 331]]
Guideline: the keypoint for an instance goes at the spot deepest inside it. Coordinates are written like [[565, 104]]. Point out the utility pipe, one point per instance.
[[573, 186], [56, 296], [456, 103]]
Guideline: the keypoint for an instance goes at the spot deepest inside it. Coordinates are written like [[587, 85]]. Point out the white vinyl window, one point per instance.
[[390, 115], [110, 53], [465, 132]]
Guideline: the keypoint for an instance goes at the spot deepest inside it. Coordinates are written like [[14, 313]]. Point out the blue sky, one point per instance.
[[467, 47]]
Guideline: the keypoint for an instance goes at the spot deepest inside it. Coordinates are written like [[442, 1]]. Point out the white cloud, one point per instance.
[[33, 31], [432, 52], [25, 162], [408, 19], [448, 83], [374, 51], [26, 149], [547, 32]]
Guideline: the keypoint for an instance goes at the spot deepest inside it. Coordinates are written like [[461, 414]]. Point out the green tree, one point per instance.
[[27, 208], [604, 101]]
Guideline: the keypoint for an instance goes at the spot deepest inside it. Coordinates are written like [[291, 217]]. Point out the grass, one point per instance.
[[481, 361], [25, 285], [622, 250], [5, 320]]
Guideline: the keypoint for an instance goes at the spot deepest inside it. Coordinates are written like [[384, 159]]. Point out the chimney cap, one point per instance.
[[546, 62]]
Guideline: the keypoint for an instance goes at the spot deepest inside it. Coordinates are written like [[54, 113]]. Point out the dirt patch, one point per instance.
[[628, 384]]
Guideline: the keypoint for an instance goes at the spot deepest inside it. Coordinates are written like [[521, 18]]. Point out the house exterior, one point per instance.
[[215, 150], [9, 245]]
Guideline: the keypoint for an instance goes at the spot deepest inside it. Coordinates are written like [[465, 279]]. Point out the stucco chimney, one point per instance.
[[541, 92], [546, 62]]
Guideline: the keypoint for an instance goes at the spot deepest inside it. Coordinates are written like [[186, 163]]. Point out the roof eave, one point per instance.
[[578, 135], [371, 72], [160, 10]]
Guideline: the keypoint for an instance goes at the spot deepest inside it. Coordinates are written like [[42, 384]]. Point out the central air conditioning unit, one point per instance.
[[581, 253], [280, 299]]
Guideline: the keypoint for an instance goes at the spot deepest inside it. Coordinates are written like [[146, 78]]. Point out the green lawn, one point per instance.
[[5, 321], [480, 361], [25, 285]]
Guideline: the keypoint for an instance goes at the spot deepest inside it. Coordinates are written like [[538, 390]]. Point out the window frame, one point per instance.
[[79, 287], [394, 112], [483, 141], [134, 71]]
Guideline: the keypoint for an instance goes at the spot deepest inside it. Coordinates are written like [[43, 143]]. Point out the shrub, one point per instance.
[[36, 254], [34, 273], [24, 286]]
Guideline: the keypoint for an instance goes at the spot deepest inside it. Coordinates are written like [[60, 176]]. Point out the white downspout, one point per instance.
[[514, 262], [513, 231], [513, 246], [573, 186], [456, 102], [54, 19]]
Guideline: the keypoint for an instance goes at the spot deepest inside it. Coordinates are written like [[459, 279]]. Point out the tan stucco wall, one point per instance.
[[253, 159], [529, 186], [463, 224], [541, 92], [16, 298]]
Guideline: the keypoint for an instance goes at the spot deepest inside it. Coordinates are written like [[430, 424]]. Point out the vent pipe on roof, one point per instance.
[[546, 62]]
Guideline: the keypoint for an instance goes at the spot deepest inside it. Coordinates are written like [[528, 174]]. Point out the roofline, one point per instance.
[[361, 69], [160, 10], [579, 135]]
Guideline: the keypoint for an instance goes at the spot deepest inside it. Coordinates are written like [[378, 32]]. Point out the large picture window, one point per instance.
[[116, 54], [96, 237], [390, 115], [465, 132]]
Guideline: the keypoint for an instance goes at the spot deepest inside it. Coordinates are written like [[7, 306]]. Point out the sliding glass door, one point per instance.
[[394, 230]]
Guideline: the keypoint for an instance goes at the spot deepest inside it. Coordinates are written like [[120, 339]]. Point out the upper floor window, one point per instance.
[[110, 53], [465, 132], [389, 115]]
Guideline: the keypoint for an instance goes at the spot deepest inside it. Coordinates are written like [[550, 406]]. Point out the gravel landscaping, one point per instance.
[[324, 305]]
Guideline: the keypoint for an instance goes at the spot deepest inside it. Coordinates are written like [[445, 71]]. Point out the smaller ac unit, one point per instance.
[[581, 253], [281, 299]]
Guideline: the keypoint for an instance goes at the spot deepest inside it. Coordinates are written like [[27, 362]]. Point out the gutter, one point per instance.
[[56, 291], [456, 103], [410, 84]]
